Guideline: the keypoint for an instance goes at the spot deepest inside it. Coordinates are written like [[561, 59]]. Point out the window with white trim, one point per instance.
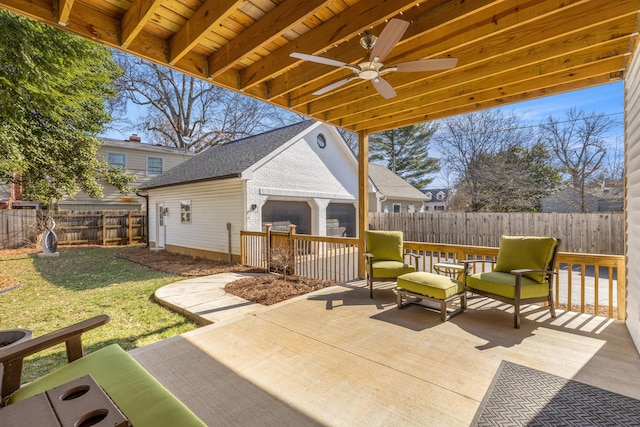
[[185, 212], [154, 165], [116, 160]]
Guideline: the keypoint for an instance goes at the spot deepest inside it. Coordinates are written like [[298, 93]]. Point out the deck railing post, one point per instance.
[[268, 246], [292, 252], [622, 290]]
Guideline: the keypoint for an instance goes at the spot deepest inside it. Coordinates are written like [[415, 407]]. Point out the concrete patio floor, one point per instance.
[[336, 357]]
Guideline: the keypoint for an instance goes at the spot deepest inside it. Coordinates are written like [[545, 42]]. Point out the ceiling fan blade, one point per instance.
[[426, 65], [318, 59], [388, 38], [333, 86], [384, 88]]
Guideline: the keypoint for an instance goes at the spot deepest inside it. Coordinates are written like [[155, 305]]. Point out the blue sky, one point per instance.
[[607, 99]]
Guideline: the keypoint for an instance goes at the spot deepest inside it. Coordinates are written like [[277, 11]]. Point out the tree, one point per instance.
[[186, 112], [405, 152], [54, 91], [496, 165], [579, 145], [525, 177]]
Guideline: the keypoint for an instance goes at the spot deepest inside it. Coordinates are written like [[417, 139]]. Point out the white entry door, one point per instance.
[[160, 225]]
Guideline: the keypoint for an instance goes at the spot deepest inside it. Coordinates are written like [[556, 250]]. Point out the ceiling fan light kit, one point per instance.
[[374, 68]]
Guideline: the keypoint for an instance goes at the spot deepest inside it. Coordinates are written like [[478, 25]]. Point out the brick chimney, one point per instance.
[[16, 187], [135, 138]]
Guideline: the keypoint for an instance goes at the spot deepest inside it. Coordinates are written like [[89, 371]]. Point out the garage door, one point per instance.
[[341, 220], [282, 214]]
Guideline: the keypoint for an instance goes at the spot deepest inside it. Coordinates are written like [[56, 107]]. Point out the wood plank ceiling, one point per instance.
[[508, 50]]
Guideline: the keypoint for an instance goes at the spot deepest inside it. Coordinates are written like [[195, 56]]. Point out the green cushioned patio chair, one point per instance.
[[384, 257], [523, 273]]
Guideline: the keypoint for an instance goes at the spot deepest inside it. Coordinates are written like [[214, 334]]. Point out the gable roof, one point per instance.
[[391, 185], [230, 159]]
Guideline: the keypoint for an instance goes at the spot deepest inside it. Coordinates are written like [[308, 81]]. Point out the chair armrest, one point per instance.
[[11, 357], [522, 271], [367, 255], [415, 257]]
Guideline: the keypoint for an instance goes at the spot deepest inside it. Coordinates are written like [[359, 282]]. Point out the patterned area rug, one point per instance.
[[521, 396]]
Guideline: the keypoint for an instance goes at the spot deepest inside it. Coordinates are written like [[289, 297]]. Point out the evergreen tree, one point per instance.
[[54, 94], [404, 151]]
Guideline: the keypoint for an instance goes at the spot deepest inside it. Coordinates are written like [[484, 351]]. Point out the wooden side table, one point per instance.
[[449, 269]]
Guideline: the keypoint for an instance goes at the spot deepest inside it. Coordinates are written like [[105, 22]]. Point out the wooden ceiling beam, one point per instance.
[[498, 48], [64, 10], [553, 89], [564, 52], [276, 22], [139, 14], [443, 36], [455, 16], [208, 16], [498, 83], [347, 25], [598, 68]]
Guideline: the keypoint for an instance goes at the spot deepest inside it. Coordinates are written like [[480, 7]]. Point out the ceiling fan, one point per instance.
[[374, 69]]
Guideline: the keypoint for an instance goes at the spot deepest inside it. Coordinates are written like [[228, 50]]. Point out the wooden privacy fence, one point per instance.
[[20, 227], [586, 283], [596, 233]]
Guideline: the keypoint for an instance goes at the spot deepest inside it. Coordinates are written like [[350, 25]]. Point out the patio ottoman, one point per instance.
[[420, 285]]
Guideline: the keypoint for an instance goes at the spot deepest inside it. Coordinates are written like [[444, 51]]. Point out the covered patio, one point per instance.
[[351, 360], [338, 357]]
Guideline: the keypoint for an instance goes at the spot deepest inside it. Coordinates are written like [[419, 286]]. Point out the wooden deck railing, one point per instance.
[[586, 283]]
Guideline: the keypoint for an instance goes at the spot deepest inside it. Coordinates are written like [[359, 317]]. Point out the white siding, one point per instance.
[[136, 155], [213, 205], [305, 172], [632, 171]]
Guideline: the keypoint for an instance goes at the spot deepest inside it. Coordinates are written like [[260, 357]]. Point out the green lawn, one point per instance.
[[81, 283]]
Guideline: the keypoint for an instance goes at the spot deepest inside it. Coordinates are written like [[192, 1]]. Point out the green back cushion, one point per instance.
[[142, 399], [384, 245], [525, 252]]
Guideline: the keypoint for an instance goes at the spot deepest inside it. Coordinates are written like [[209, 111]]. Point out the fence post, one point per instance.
[[242, 248], [268, 246], [292, 252], [130, 229], [104, 229]]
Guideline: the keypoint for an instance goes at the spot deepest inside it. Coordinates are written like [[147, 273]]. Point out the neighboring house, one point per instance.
[[595, 200], [303, 174], [437, 199], [392, 193], [144, 161], [11, 195]]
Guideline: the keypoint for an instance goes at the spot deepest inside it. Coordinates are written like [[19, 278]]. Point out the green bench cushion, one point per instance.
[[143, 400], [389, 269], [504, 285], [385, 245], [429, 284], [525, 252]]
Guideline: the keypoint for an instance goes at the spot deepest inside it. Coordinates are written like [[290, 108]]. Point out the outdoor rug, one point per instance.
[[521, 396]]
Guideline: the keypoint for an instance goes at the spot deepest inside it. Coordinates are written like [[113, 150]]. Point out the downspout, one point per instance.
[[146, 198]]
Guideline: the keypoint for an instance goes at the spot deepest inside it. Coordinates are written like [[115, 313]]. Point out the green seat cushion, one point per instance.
[[429, 284], [385, 245], [389, 269], [525, 252], [142, 399], [504, 284]]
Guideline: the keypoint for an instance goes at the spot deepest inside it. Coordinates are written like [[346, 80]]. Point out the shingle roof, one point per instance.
[[391, 185], [228, 160]]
